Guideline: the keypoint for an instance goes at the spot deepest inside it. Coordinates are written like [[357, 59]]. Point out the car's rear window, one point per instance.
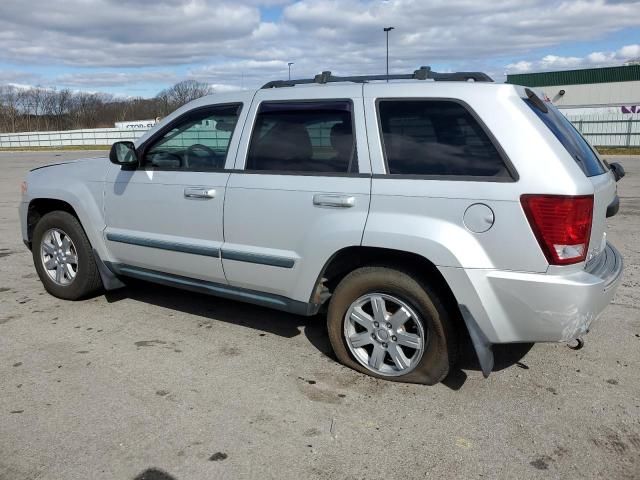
[[570, 138]]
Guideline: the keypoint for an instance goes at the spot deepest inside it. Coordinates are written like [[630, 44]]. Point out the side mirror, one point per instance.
[[124, 153], [617, 170]]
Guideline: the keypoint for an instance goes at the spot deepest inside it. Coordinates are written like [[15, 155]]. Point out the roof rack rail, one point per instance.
[[423, 73]]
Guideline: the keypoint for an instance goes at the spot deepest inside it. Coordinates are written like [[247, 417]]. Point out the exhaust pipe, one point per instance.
[[576, 344]]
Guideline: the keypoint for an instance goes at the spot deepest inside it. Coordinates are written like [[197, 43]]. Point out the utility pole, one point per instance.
[[289, 65], [387, 30]]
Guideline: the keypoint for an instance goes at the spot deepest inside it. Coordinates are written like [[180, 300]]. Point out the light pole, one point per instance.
[[289, 65], [387, 30]]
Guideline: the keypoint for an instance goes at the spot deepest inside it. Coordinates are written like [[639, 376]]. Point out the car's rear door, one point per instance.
[[300, 191], [166, 216]]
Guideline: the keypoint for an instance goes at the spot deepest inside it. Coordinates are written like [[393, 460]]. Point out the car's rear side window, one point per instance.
[[437, 138], [311, 137], [570, 138]]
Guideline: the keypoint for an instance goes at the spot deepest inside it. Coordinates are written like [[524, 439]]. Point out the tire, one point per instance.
[[85, 276], [428, 364]]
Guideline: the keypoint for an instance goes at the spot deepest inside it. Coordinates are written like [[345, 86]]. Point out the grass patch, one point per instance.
[[618, 150], [55, 149]]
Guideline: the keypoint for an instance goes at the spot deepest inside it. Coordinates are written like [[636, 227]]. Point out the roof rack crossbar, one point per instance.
[[423, 73]]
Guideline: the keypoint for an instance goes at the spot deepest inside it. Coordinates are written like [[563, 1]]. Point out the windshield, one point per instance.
[[570, 138]]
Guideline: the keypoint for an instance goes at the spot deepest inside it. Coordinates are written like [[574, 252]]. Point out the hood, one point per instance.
[[84, 161]]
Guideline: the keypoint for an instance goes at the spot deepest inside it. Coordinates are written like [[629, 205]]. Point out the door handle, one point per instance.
[[339, 201], [199, 192]]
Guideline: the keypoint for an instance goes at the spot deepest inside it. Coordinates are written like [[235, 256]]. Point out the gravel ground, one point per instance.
[[154, 383]]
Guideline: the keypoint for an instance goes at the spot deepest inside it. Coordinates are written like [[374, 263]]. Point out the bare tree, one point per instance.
[[85, 109], [10, 101], [24, 108], [184, 92], [36, 97], [48, 108], [61, 106], [40, 108]]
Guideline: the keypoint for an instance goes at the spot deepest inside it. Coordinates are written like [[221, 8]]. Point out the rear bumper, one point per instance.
[[530, 307]]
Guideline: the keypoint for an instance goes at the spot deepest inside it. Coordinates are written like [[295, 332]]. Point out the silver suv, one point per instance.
[[416, 210]]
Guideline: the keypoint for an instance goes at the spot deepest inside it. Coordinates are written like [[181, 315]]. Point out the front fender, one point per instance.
[[81, 185]]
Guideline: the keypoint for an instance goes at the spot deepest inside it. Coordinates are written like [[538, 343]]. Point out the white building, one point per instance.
[[591, 91]]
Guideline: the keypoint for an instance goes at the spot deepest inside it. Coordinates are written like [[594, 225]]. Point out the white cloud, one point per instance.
[[117, 33], [16, 77], [555, 62], [227, 42], [594, 59], [630, 51], [108, 78], [520, 67], [223, 87]]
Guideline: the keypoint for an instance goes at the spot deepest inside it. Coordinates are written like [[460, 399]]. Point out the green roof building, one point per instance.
[[590, 88]]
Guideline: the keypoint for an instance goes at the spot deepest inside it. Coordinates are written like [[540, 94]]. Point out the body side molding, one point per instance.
[[258, 258], [225, 291], [164, 245], [248, 257]]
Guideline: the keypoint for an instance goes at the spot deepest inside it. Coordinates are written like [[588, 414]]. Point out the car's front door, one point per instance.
[[300, 191], [166, 216]]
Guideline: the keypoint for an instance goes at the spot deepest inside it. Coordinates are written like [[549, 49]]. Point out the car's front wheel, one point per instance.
[[387, 324], [63, 257]]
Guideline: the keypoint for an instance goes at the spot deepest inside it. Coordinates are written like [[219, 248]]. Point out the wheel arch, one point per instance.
[[346, 260], [39, 207], [80, 199]]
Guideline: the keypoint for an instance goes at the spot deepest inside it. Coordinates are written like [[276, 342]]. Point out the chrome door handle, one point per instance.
[[340, 201], [199, 192]]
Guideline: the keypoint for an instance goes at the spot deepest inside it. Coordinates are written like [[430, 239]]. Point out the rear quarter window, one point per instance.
[[437, 138], [569, 137]]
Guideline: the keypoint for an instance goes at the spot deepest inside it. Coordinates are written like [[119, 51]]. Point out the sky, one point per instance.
[[139, 47]]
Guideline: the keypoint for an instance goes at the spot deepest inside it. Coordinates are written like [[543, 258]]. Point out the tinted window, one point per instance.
[[303, 137], [198, 140], [570, 138], [436, 137]]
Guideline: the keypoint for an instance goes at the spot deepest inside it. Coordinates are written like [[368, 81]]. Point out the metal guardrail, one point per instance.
[[106, 136], [603, 132], [97, 136]]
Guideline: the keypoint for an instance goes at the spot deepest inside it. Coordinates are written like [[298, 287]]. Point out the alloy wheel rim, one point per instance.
[[384, 334], [59, 256]]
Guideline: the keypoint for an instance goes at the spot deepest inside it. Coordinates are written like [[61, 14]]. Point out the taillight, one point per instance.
[[562, 225]]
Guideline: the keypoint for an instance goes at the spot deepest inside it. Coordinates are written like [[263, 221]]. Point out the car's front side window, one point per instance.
[[198, 140], [303, 137], [436, 138]]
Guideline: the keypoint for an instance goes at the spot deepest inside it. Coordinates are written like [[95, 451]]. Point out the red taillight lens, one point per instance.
[[562, 225]]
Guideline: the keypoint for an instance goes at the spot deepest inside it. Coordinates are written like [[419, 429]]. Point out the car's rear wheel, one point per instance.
[[63, 257], [387, 324]]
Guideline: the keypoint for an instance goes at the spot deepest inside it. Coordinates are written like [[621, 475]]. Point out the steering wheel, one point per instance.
[[192, 154]]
